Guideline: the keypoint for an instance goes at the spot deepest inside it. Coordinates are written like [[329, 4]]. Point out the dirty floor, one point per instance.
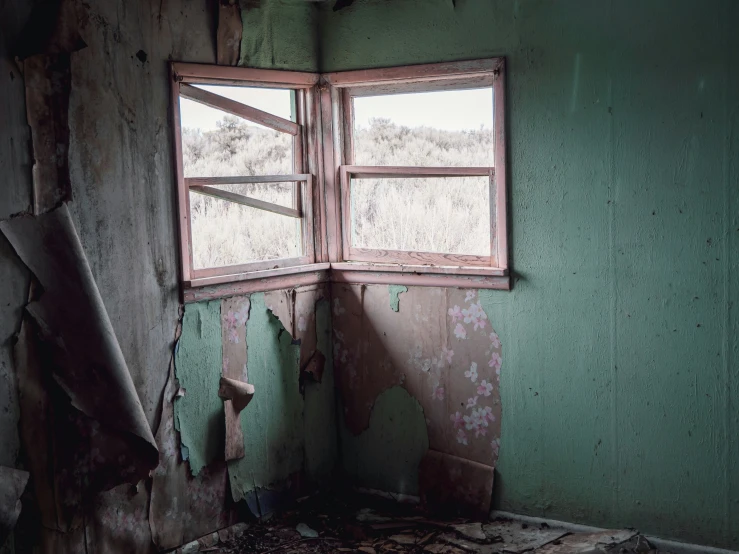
[[361, 524]]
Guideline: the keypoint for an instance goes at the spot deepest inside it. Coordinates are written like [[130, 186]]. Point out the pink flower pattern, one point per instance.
[[471, 374], [475, 420], [484, 388], [456, 314], [448, 354], [462, 437], [438, 393]]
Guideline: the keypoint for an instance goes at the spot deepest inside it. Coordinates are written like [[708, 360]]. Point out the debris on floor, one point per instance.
[[349, 524]]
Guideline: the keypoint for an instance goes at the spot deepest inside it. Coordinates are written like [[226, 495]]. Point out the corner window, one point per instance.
[[374, 176]]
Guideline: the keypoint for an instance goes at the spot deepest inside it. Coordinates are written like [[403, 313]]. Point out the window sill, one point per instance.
[[420, 275], [209, 288]]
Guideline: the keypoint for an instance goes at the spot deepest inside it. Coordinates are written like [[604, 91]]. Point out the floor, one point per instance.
[[362, 524]]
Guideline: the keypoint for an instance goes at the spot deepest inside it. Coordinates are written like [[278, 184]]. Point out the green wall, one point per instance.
[[280, 34], [619, 382]]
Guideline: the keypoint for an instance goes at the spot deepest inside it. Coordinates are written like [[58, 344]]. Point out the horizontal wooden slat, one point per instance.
[[413, 73], [409, 172], [299, 281], [256, 275], [248, 267], [482, 80], [245, 179], [377, 255], [198, 73], [421, 280], [238, 109], [409, 269], [247, 201]]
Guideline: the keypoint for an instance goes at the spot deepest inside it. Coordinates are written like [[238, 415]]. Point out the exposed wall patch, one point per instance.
[[387, 455], [198, 363], [395, 291], [273, 422]]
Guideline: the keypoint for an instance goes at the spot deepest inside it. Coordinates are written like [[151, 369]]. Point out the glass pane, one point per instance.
[[224, 233], [282, 194], [437, 214], [444, 128], [216, 144], [276, 101]]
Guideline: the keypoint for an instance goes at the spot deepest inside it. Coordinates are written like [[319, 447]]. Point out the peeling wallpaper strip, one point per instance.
[[395, 291]]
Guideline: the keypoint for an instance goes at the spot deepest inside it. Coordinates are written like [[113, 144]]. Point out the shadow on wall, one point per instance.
[[440, 350]]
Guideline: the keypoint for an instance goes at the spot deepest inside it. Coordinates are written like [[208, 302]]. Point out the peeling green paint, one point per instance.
[[394, 291], [273, 421], [321, 449], [386, 456], [198, 360]]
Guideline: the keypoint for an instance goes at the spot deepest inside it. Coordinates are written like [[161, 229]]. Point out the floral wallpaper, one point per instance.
[[440, 346]]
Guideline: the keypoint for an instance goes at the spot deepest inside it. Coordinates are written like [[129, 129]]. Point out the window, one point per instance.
[[421, 169], [391, 175], [246, 198]]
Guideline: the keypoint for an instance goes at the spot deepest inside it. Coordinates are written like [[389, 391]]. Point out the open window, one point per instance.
[[246, 196], [374, 176], [420, 162]]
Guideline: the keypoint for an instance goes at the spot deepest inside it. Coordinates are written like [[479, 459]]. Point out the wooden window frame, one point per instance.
[[323, 167], [259, 275], [364, 265]]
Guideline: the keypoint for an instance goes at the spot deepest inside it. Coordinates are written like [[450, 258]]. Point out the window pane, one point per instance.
[[224, 233], [276, 101], [437, 214], [446, 128], [215, 143]]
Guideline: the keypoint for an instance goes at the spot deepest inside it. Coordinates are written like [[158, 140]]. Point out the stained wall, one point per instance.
[[124, 209], [620, 371]]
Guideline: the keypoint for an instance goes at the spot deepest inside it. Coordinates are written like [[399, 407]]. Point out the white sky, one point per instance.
[[274, 101], [449, 110], [452, 110]]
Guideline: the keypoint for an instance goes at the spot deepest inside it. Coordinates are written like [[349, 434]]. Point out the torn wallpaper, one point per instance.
[[273, 421], [78, 399], [440, 346]]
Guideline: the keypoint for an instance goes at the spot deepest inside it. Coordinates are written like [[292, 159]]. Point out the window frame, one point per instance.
[[257, 275], [324, 119], [363, 265]]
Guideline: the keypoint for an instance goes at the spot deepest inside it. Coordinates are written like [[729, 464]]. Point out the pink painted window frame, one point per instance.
[[260, 275], [324, 117], [362, 265]]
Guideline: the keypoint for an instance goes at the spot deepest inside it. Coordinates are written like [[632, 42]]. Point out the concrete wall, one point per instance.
[[620, 381]]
